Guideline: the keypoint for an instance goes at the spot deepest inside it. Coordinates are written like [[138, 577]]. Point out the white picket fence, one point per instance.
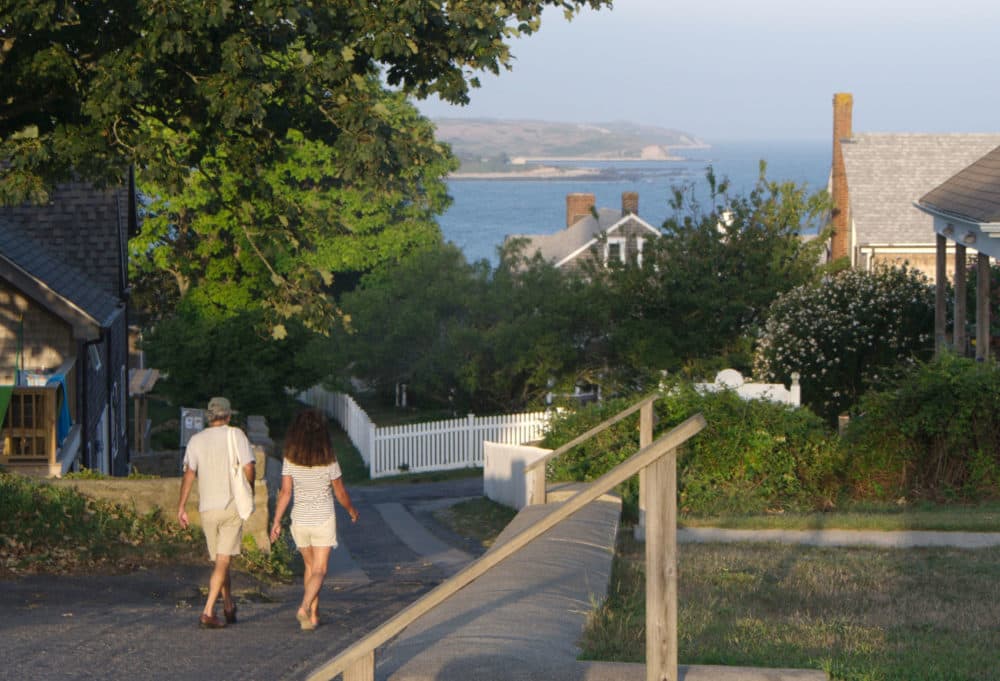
[[422, 447]]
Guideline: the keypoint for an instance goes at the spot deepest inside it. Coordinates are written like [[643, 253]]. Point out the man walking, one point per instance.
[[207, 458]]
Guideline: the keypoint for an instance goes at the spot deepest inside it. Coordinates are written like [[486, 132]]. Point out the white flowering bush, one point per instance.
[[850, 331]]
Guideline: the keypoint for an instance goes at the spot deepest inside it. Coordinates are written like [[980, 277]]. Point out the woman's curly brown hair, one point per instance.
[[308, 440]]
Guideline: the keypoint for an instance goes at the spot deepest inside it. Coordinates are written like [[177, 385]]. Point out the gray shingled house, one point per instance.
[[64, 332], [876, 180], [625, 233], [965, 210]]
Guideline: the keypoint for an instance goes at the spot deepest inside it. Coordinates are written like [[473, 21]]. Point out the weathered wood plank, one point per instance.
[[623, 471]]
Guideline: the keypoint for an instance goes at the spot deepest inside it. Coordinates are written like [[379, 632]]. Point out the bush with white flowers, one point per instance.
[[846, 333]]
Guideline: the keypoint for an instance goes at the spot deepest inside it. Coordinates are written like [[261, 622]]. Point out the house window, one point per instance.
[[614, 251], [639, 243]]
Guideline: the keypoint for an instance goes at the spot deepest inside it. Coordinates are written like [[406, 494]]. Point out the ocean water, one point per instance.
[[485, 211]]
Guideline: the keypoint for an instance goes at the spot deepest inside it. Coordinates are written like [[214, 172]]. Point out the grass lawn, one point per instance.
[[859, 614], [481, 519], [388, 415]]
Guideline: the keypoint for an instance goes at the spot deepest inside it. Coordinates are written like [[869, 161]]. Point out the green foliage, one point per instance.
[[707, 282], [274, 565], [57, 529], [846, 334], [277, 238], [352, 466], [462, 335], [537, 331], [971, 291], [753, 456], [480, 519], [205, 356], [932, 433], [275, 135], [93, 474], [408, 324]]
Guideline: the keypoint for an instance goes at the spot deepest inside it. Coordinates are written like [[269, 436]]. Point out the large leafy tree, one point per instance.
[[468, 335], [274, 133], [704, 286], [206, 356]]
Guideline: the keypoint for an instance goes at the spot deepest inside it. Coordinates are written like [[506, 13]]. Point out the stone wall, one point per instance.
[[163, 493]]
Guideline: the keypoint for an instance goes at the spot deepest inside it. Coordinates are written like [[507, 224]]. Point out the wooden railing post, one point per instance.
[[645, 437], [49, 425], [661, 569], [540, 463]]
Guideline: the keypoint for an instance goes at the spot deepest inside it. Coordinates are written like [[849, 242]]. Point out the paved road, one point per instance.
[[144, 625]]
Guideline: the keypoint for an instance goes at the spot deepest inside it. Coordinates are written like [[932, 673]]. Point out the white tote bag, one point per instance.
[[242, 492]]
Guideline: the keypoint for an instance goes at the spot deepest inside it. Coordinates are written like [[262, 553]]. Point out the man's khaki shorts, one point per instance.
[[324, 534], [223, 531]]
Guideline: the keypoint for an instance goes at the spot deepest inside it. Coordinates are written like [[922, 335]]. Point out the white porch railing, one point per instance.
[[421, 447]]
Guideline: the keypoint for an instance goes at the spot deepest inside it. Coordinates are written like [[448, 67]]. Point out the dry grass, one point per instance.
[[984, 517], [860, 614], [481, 519]]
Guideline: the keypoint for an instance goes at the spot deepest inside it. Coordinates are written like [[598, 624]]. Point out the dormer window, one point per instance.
[[614, 251]]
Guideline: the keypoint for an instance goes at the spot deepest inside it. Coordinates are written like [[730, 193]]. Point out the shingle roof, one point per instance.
[[972, 194], [80, 225], [48, 272], [555, 247], [888, 172]]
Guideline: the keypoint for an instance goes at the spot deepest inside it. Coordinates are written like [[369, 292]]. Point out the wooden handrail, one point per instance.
[[357, 662], [590, 433]]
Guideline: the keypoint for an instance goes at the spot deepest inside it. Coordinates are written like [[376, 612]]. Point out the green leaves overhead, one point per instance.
[[214, 102]]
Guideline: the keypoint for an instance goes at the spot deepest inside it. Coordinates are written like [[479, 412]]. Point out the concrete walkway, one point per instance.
[[521, 620]]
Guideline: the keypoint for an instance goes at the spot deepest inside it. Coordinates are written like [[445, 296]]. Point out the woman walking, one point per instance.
[[311, 471]]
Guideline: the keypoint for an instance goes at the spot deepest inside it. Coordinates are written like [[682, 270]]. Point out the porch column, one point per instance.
[[961, 342], [939, 295], [983, 306]]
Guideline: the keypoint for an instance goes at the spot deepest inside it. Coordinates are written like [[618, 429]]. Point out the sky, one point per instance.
[[755, 69]]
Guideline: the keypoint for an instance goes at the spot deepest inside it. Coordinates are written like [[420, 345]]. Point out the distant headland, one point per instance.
[[526, 149]]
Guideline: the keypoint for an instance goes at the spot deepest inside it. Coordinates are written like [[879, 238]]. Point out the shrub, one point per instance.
[[57, 529], [847, 333], [591, 459], [753, 456], [204, 356], [934, 433]]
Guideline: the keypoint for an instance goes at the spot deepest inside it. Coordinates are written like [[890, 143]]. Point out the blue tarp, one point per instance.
[[63, 422]]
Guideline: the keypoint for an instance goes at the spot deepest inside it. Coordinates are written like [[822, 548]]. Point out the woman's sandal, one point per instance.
[[304, 622]]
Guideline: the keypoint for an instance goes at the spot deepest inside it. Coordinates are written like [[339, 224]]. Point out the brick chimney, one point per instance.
[[630, 203], [578, 206], [840, 245]]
